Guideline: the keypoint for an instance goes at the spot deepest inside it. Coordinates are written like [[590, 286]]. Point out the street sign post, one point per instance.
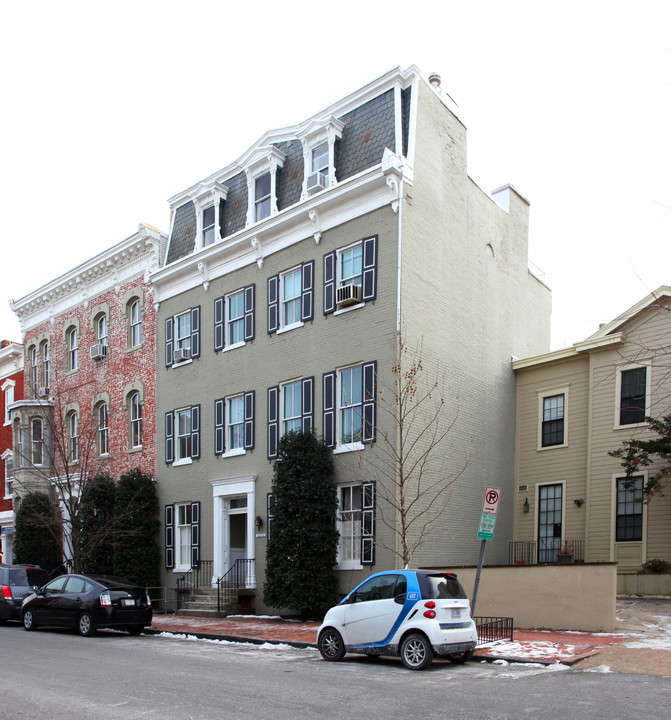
[[490, 508]]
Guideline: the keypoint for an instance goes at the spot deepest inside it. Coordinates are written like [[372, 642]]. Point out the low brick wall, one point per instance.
[[580, 596], [635, 584]]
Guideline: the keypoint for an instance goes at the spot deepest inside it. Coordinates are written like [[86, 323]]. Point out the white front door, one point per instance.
[[235, 531]]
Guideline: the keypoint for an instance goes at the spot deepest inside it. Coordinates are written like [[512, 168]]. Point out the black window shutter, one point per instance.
[[369, 392], [329, 409], [195, 534], [169, 537], [219, 307], [169, 324], [329, 282], [249, 311], [307, 291], [249, 420], [369, 289], [219, 420], [270, 511], [273, 420], [273, 303], [195, 331], [307, 404], [368, 523], [195, 431], [169, 438]]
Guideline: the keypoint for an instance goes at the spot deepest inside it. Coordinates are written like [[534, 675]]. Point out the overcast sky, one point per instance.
[[110, 109]]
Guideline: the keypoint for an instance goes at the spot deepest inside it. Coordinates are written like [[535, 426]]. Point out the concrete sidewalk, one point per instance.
[[642, 646]]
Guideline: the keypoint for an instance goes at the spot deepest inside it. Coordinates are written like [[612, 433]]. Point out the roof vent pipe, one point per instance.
[[434, 80]]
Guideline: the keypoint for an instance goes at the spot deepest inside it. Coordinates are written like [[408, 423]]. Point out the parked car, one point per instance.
[[87, 603], [410, 613], [16, 583]]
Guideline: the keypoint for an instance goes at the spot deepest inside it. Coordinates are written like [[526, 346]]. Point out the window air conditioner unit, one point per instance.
[[316, 182], [348, 294], [42, 392], [182, 354], [98, 351]]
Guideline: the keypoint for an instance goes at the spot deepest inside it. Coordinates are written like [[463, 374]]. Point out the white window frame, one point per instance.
[[263, 202], [102, 329], [356, 445], [186, 437], [340, 253], [8, 390], [36, 442], [263, 160], [297, 420], [542, 395], [46, 363], [643, 542], [135, 421], [8, 457], [73, 436], [135, 323], [208, 232], [296, 300], [73, 348], [229, 321], [34, 369], [232, 427], [647, 364], [183, 532], [183, 341], [353, 562], [313, 137], [102, 429]]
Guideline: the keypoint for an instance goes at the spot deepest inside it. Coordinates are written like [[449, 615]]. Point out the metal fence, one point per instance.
[[528, 552], [493, 628]]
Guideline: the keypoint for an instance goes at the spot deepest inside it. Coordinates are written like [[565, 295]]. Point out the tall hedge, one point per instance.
[[97, 525], [37, 532], [303, 540], [137, 554]]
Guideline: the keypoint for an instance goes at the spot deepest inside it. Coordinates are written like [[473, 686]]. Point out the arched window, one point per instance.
[[135, 323], [37, 441], [34, 376], [44, 352], [72, 421], [102, 428], [73, 348], [135, 433], [101, 329]]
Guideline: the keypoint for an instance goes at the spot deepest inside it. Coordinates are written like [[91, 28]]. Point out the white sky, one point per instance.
[[108, 110]]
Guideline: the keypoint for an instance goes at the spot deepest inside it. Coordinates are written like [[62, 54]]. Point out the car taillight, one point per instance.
[[430, 604], [430, 614], [105, 599], [6, 592], [148, 600]]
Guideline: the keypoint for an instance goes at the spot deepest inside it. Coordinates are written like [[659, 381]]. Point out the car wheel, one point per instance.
[[460, 658], [85, 625], [331, 645], [416, 652], [29, 620], [135, 629]]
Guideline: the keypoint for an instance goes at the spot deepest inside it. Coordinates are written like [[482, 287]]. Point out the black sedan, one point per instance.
[[88, 602]]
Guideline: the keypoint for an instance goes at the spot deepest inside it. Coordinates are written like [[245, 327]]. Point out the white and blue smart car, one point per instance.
[[411, 613]]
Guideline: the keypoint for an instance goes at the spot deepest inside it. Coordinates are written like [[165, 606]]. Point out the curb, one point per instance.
[[231, 638]]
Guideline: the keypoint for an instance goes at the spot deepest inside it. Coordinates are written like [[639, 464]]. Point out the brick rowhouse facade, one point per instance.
[[11, 389], [89, 339]]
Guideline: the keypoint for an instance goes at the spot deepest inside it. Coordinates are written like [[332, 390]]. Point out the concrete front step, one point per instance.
[[203, 613]]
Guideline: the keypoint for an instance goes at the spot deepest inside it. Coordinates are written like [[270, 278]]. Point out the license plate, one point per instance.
[[456, 612], [128, 601]]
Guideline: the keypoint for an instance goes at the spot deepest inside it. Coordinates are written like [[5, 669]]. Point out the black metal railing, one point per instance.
[[240, 576], [195, 577], [530, 552], [493, 628]]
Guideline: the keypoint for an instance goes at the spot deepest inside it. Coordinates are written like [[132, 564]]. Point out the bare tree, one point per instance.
[[409, 462]]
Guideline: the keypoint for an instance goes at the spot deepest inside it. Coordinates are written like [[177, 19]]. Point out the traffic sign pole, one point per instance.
[[477, 576], [490, 508]]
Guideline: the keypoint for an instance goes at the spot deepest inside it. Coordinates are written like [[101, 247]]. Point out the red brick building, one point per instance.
[[89, 371], [11, 389]]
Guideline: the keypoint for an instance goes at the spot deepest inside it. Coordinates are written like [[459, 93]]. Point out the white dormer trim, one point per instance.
[[208, 193], [263, 160], [316, 133]]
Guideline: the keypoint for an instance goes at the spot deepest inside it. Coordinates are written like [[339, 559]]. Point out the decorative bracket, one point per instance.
[[314, 219], [256, 244], [204, 271]]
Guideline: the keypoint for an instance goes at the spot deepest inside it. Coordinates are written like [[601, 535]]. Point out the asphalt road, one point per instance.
[[56, 674]]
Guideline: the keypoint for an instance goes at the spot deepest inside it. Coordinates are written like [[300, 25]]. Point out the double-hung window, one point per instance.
[[73, 349], [135, 322], [356, 525], [290, 408], [234, 318], [8, 388], [182, 336], [291, 297], [9, 475], [262, 190], [629, 523], [101, 329], [34, 370], [349, 410], [135, 420], [72, 422], [182, 435], [37, 441], [234, 424], [320, 159], [45, 365], [182, 536], [208, 225], [633, 393], [350, 275], [553, 421], [102, 428]]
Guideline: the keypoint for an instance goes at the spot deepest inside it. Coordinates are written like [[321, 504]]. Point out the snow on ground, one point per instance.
[[533, 650]]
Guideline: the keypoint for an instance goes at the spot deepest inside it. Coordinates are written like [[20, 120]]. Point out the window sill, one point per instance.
[[135, 449], [234, 453], [134, 348], [293, 326], [181, 569], [349, 308], [629, 426], [352, 447], [351, 565], [543, 448], [182, 362], [182, 461], [104, 456], [235, 346]]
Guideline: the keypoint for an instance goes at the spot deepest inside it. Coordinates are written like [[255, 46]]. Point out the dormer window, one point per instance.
[[262, 197], [319, 155], [208, 199], [208, 226]]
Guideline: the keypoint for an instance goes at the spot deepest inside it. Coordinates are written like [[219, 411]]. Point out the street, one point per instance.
[[57, 674]]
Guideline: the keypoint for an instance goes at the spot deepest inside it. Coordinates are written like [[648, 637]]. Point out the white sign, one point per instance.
[[491, 503], [486, 529]]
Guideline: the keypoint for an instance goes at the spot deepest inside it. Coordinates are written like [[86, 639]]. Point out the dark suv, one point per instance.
[[16, 583]]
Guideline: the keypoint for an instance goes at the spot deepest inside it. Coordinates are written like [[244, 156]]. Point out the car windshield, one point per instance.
[[444, 586], [27, 577]]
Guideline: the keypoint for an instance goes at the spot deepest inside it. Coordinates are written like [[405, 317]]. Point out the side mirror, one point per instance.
[[37, 590], [351, 598]]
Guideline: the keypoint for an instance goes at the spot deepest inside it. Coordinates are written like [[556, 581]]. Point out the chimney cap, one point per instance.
[[434, 80]]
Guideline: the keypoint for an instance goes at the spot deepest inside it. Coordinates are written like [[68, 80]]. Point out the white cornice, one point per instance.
[[11, 359], [577, 350], [654, 298], [356, 196], [394, 78], [109, 269]]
